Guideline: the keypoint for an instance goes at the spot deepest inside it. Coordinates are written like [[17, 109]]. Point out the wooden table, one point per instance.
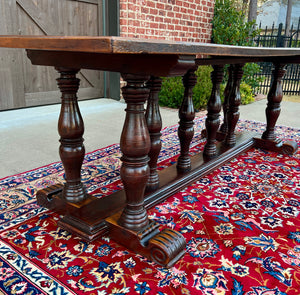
[[142, 63]]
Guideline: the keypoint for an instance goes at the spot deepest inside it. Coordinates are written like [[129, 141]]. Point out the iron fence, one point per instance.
[[277, 37]]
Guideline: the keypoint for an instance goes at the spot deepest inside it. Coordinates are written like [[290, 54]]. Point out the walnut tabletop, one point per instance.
[[138, 56], [121, 45]]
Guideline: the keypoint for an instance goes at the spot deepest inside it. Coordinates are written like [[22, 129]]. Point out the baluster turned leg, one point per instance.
[[186, 116], [135, 146], [234, 103], [131, 227], [154, 124], [214, 107], [274, 100], [227, 91], [71, 128], [268, 140]]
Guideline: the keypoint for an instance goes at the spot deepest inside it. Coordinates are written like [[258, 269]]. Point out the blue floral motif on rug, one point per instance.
[[241, 224]]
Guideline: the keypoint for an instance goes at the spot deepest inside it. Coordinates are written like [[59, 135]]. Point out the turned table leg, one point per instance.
[[274, 100], [154, 124], [71, 128], [213, 112], [131, 227], [268, 139], [227, 92], [234, 103], [186, 122], [135, 146]]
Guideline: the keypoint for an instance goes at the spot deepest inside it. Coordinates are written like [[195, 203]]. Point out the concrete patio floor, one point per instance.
[[29, 137]]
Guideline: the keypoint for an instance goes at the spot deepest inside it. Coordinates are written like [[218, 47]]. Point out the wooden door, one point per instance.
[[25, 85]]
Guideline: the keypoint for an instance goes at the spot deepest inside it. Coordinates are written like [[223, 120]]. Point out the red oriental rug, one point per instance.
[[241, 224]]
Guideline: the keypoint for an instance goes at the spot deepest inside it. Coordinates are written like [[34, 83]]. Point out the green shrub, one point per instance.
[[202, 89], [250, 69], [247, 95], [171, 93], [230, 26], [246, 91], [172, 90]]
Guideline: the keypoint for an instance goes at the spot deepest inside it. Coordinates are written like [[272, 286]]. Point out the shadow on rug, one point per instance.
[[240, 223]]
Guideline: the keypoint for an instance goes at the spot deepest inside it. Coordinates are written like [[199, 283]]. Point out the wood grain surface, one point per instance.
[[138, 46]]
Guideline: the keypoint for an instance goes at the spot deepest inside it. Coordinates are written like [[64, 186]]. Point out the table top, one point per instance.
[[121, 45]]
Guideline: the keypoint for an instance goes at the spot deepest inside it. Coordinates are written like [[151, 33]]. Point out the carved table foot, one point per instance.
[[89, 231], [268, 140], [164, 248], [278, 146], [51, 198], [75, 218]]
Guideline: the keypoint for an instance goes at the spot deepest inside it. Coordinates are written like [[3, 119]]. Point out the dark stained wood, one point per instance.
[[274, 100], [135, 146], [131, 226], [86, 231], [213, 111], [277, 146], [165, 247], [123, 215], [71, 128], [186, 121], [154, 123], [172, 181], [234, 103], [158, 65], [268, 139], [50, 197], [87, 219], [227, 92]]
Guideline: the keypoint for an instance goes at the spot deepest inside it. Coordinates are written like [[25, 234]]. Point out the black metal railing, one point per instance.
[[278, 37]]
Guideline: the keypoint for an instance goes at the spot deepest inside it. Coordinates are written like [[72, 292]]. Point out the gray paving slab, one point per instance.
[[289, 115], [29, 137]]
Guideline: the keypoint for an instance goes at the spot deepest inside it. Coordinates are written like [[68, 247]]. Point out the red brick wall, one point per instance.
[[176, 20]]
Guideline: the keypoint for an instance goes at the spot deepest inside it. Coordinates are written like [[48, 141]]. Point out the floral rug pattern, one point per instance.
[[241, 224]]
